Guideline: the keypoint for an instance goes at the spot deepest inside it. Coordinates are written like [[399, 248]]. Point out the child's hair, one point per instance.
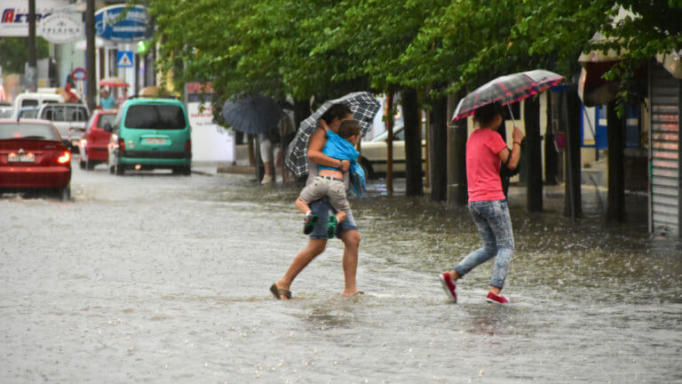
[[349, 128], [486, 114], [336, 111]]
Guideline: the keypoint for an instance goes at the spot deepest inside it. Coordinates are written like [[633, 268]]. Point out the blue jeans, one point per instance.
[[321, 208], [494, 227]]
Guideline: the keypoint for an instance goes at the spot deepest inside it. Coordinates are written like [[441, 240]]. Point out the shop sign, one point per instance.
[[122, 24], [60, 28], [14, 15]]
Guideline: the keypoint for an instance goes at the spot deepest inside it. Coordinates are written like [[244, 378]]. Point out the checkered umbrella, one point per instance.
[[363, 105], [506, 90]]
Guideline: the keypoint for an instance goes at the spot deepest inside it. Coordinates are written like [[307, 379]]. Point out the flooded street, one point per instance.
[[154, 278]]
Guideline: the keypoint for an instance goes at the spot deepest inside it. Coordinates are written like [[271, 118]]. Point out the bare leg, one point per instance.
[[351, 241], [302, 206], [302, 259]]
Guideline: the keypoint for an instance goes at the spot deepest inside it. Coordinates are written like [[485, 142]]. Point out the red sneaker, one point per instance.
[[448, 286], [499, 299]]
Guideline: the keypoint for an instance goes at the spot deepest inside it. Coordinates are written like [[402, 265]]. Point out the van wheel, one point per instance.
[[81, 164], [111, 169], [120, 170], [90, 165]]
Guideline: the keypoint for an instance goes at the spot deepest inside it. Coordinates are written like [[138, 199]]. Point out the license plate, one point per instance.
[[21, 158], [155, 140]]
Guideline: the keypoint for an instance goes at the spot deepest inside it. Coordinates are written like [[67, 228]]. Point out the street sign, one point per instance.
[[125, 59], [79, 74]]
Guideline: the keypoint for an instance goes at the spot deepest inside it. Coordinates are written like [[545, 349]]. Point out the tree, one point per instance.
[[15, 55]]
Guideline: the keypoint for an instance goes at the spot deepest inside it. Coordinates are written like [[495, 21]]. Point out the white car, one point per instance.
[[374, 153], [71, 120]]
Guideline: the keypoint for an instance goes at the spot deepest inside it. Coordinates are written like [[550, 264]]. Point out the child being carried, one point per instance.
[[329, 181]]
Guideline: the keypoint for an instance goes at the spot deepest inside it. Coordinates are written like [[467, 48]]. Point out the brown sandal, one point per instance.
[[279, 292]]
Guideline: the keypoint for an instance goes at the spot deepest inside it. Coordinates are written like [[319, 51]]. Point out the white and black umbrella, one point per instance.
[[363, 105], [252, 114]]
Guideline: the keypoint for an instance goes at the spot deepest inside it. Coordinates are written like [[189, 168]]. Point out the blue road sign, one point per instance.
[[125, 59]]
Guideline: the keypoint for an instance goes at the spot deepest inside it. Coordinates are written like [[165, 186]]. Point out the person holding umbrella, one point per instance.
[[346, 230], [485, 152]]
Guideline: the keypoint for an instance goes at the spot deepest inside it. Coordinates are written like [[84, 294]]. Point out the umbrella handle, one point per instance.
[[511, 114]]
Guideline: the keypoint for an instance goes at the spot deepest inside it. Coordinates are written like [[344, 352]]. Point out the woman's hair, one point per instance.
[[349, 128], [336, 111], [486, 114]]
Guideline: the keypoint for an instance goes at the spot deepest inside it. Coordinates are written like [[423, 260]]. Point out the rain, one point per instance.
[[152, 277]]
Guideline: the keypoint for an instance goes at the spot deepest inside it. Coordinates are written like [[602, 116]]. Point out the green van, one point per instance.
[[150, 133]]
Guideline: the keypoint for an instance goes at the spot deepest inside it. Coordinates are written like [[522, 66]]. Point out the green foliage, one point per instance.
[[14, 53], [324, 48]]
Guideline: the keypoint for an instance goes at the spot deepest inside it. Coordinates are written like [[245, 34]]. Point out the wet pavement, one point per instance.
[[154, 278]]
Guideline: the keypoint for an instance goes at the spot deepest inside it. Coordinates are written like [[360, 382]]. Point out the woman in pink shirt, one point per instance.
[[485, 152]]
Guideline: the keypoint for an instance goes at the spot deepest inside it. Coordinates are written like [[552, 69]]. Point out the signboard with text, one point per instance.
[[122, 24], [59, 28], [14, 15]]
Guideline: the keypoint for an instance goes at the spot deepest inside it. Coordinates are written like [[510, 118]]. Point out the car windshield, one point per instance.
[[155, 117], [106, 118], [28, 131]]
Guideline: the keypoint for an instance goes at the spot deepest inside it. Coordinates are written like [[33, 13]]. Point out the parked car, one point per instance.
[[92, 146], [374, 153], [70, 119], [33, 158], [6, 110], [150, 133]]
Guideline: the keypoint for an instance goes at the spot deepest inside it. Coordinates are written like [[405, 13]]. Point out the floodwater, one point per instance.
[[153, 278]]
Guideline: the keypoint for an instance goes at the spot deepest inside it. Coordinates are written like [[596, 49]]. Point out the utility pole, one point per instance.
[[31, 76], [91, 90]]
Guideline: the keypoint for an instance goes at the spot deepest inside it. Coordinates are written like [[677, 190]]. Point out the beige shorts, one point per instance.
[[322, 186]]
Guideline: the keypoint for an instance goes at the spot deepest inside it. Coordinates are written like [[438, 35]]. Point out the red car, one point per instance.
[[33, 158], [93, 144]]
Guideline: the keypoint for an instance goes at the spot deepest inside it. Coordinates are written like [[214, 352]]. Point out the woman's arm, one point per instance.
[[515, 154], [317, 141]]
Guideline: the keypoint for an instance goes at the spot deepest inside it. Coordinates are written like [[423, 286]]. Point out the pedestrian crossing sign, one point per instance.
[[125, 59]]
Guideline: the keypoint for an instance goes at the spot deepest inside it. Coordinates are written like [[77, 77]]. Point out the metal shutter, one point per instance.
[[665, 152]]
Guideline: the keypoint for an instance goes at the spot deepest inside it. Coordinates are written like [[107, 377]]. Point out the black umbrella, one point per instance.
[[252, 114]]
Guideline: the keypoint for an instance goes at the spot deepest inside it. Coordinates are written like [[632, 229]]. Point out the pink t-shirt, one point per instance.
[[483, 165]]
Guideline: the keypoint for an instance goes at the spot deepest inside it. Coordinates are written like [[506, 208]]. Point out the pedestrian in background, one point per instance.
[[106, 100], [486, 151]]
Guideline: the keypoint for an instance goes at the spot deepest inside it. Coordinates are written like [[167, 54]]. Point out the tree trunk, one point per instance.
[[301, 111], [457, 178], [389, 143], [533, 161], [551, 155], [571, 119], [438, 149], [413, 146], [616, 195]]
